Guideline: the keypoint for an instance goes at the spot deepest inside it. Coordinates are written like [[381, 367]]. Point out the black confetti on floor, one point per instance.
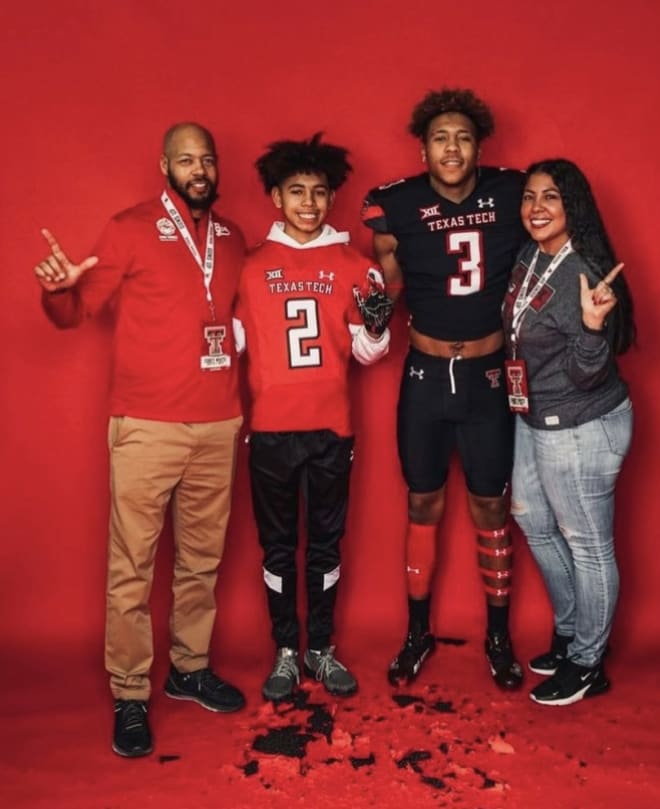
[[356, 762], [167, 759], [412, 759], [284, 742], [251, 768], [403, 700]]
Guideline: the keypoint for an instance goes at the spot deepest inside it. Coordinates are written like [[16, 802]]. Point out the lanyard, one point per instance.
[[206, 266], [524, 298]]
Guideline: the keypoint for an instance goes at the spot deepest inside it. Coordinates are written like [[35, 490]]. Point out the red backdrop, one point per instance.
[[88, 89]]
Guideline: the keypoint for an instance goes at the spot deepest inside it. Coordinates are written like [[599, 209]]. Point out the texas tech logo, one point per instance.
[[215, 359], [493, 376]]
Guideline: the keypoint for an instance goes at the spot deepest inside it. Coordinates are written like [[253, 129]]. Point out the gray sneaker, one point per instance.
[[284, 676], [323, 665]]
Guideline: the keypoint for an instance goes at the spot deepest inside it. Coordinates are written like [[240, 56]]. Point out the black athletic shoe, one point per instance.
[[324, 667], [132, 737], [506, 671], [408, 663], [205, 688], [547, 663], [570, 684]]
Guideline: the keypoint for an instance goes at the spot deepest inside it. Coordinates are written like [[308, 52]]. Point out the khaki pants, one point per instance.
[[151, 463]]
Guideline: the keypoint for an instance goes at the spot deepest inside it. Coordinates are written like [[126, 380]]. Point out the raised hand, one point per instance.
[[57, 272], [374, 305], [598, 302]]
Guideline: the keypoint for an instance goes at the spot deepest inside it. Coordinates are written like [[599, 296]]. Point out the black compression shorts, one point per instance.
[[455, 403]]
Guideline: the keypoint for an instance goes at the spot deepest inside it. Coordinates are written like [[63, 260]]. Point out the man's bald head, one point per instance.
[[182, 130]]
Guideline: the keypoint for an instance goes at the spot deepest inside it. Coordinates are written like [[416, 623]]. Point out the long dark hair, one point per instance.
[[589, 238]]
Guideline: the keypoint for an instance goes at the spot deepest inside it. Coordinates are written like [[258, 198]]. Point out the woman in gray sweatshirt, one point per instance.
[[567, 314]]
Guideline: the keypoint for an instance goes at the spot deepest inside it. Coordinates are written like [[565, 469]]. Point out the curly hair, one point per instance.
[[589, 238], [285, 158], [445, 100]]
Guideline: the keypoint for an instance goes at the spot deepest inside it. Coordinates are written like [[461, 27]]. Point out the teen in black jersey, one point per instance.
[[449, 238]]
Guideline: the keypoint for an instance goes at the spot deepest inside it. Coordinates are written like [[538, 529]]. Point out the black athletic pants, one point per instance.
[[317, 464]]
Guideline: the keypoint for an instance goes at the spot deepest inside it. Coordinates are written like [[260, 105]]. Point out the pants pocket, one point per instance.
[[617, 427]]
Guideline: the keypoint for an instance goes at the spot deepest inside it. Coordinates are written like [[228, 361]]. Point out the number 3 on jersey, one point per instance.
[[305, 309], [470, 275]]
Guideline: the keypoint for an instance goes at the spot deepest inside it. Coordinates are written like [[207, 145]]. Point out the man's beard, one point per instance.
[[195, 202]]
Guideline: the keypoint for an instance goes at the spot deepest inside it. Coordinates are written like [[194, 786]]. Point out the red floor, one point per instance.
[[451, 740]]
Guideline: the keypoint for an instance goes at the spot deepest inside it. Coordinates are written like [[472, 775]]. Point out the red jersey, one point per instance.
[[164, 325], [297, 307]]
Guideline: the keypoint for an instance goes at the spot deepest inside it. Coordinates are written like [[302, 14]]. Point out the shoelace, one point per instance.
[[328, 664], [286, 666], [133, 713]]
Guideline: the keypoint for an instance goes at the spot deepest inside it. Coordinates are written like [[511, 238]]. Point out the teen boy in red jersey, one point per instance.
[[301, 305], [450, 236]]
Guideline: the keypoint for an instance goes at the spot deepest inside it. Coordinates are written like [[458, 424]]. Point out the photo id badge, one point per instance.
[[516, 385], [214, 358]]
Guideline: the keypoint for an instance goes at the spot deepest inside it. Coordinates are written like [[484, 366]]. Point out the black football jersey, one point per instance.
[[456, 257]]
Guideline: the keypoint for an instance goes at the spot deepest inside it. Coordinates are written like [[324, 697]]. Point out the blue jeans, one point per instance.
[[563, 500]]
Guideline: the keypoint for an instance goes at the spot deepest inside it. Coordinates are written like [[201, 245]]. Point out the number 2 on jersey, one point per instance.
[[470, 275], [301, 356]]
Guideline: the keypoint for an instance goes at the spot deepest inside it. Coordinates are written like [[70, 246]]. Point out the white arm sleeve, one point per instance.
[[366, 349], [239, 335]]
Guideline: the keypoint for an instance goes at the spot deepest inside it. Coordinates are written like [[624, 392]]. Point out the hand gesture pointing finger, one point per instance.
[[598, 302], [57, 271]]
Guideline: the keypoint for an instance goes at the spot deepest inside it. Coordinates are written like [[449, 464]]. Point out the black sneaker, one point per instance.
[[204, 687], [407, 664], [570, 684], [284, 677], [132, 737], [324, 666], [547, 663], [504, 667]]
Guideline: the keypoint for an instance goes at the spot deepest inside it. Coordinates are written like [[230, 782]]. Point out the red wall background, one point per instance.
[[87, 90]]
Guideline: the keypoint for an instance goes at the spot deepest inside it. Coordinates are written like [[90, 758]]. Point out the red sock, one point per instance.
[[420, 558]]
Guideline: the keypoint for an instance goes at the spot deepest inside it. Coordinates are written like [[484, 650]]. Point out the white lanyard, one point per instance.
[[524, 298], [205, 266]]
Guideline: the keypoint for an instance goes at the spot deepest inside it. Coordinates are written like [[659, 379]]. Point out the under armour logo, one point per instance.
[[419, 374], [329, 275], [486, 203], [493, 376], [274, 275], [414, 570]]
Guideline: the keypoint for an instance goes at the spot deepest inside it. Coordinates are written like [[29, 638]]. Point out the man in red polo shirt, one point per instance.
[[170, 268]]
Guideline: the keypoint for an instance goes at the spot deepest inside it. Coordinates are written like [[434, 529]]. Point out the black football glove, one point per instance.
[[374, 305]]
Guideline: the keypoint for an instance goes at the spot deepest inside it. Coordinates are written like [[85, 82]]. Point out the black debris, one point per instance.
[[443, 707], [403, 700], [356, 762], [412, 759], [167, 759], [283, 741], [436, 783], [251, 768], [320, 721]]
